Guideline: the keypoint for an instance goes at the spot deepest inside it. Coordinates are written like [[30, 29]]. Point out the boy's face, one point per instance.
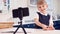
[[42, 7]]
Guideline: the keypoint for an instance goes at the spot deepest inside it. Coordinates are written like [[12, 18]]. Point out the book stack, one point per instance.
[[6, 25]]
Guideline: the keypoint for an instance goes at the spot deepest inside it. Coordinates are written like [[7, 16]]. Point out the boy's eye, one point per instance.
[[39, 7], [42, 6]]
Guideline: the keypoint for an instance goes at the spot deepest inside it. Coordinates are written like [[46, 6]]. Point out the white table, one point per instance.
[[29, 31]]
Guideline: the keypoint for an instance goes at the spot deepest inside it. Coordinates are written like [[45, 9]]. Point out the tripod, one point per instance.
[[20, 23], [19, 27], [20, 13]]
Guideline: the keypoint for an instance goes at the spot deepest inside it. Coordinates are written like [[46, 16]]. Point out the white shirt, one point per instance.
[[50, 21]]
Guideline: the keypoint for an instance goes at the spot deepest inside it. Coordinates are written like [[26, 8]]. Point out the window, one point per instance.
[[32, 2], [49, 2]]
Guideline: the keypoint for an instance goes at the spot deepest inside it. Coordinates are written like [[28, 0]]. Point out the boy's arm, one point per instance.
[[51, 23], [40, 24], [36, 19]]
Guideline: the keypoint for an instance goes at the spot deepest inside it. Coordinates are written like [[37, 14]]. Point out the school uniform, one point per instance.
[[45, 19]]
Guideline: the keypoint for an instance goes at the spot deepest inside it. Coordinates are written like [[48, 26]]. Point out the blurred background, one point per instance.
[[6, 7]]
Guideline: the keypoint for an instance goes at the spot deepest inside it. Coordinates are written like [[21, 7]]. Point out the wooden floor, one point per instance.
[[28, 30]]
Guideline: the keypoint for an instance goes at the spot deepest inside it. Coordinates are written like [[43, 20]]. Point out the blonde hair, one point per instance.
[[41, 2]]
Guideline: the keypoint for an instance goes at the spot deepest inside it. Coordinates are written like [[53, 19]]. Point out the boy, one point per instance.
[[43, 19]]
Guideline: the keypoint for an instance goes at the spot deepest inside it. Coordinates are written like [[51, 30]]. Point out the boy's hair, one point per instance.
[[41, 2]]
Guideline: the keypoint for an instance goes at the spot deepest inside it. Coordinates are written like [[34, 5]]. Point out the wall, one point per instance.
[[58, 7], [56, 4], [7, 15]]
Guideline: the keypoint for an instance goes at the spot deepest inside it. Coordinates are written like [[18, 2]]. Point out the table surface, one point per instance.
[[28, 30]]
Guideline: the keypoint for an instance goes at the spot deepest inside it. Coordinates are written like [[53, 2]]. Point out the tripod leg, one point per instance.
[[24, 30], [16, 29]]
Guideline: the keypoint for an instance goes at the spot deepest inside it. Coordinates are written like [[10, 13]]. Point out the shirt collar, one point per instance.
[[43, 14]]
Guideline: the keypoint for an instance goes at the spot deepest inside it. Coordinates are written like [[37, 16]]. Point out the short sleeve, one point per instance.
[[51, 21], [36, 16]]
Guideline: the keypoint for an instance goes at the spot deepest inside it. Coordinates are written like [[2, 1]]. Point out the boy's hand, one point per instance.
[[51, 28], [48, 27], [44, 27]]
